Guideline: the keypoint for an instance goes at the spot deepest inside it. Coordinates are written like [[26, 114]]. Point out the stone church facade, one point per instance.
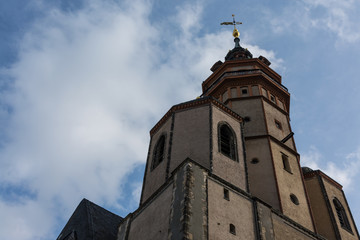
[[225, 166]]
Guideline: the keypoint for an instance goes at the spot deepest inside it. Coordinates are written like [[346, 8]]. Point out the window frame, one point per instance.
[[232, 229], [156, 160], [294, 199], [254, 160], [286, 162], [233, 154], [244, 90], [278, 124], [272, 98], [342, 216], [226, 194]]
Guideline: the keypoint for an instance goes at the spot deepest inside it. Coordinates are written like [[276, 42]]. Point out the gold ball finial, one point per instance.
[[236, 33]]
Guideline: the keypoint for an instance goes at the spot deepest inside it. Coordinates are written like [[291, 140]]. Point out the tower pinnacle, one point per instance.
[[237, 52], [236, 33]]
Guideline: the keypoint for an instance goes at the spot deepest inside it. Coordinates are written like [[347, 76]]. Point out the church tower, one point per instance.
[[249, 87], [225, 166]]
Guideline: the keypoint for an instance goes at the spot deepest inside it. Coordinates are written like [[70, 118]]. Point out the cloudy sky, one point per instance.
[[83, 82]]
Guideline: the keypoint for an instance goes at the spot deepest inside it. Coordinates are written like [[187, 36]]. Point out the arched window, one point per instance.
[[158, 152], [227, 141], [340, 211]]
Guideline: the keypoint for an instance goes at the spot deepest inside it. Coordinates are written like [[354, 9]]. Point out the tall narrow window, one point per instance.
[[278, 124], [232, 229], [158, 152], [286, 164], [226, 194], [340, 211], [227, 141]]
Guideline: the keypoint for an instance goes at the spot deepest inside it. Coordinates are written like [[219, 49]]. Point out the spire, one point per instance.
[[237, 42], [237, 52]]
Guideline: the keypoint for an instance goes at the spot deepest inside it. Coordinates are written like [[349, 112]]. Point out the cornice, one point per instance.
[[250, 79], [240, 63], [257, 97], [192, 104], [253, 77], [283, 145], [323, 175]]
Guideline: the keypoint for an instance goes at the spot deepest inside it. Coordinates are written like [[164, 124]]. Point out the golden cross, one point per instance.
[[235, 32]]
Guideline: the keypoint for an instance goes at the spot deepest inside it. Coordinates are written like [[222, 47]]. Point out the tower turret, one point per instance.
[[238, 52], [249, 87]]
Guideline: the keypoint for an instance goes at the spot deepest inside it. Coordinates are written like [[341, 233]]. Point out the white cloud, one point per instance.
[[276, 63], [87, 87], [338, 17], [16, 226], [344, 173], [136, 193], [188, 18], [311, 158]]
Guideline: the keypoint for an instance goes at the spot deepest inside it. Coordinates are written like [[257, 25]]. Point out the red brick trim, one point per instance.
[[237, 63], [248, 80]]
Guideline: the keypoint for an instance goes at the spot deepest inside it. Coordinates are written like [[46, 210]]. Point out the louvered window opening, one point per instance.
[[340, 211], [159, 152], [227, 142]]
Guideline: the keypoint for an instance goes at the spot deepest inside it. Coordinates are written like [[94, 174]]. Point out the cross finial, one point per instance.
[[236, 33]]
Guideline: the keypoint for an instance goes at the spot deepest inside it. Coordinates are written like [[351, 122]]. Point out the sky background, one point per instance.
[[83, 82]]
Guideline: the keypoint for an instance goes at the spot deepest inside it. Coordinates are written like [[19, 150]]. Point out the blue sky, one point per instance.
[[83, 82]]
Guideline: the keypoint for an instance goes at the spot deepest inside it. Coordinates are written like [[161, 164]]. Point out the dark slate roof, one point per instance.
[[238, 52], [306, 170], [91, 222]]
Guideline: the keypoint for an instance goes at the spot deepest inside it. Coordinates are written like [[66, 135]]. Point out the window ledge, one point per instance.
[[348, 230]]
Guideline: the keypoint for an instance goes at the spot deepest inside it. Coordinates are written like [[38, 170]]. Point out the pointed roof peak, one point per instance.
[[237, 52]]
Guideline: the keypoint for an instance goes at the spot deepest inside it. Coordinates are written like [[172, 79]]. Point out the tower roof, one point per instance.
[[238, 52], [90, 221]]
